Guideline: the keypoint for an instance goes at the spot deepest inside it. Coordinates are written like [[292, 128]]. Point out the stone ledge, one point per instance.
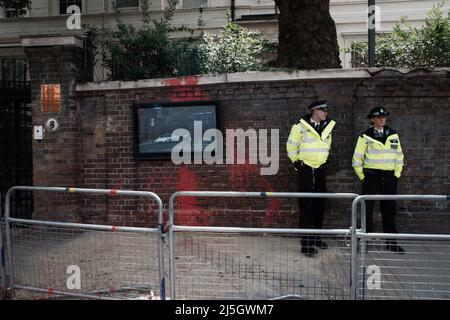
[[243, 77], [50, 40], [226, 78]]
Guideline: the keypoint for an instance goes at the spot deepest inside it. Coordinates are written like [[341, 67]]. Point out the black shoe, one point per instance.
[[309, 251], [321, 244], [394, 247]]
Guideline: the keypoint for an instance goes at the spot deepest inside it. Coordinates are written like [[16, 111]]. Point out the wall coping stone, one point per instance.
[[258, 76], [51, 40]]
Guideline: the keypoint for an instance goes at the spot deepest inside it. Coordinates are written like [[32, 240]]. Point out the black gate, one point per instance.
[[16, 162]]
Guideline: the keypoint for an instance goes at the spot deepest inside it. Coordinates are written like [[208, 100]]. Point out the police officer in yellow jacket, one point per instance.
[[378, 163], [308, 147]]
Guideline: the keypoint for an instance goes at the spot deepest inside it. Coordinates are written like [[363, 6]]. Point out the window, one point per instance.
[[154, 126], [127, 3], [64, 4], [13, 69], [11, 13], [190, 4]]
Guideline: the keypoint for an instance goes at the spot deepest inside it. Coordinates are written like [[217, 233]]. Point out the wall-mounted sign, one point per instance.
[[51, 125], [154, 125], [50, 98]]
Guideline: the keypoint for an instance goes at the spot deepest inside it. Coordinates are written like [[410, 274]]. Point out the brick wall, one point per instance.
[[96, 145], [56, 157]]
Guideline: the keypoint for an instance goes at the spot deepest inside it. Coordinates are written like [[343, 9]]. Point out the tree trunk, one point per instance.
[[307, 35]]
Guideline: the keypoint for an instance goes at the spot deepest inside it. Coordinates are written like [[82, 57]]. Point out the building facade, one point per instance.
[[49, 17]]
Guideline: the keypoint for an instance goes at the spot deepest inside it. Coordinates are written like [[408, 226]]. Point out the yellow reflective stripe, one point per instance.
[[378, 161], [292, 142], [293, 153], [357, 163], [384, 151], [314, 150], [399, 162], [357, 154], [305, 135]]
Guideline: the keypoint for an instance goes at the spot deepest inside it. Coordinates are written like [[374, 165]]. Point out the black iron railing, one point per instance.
[[16, 163]]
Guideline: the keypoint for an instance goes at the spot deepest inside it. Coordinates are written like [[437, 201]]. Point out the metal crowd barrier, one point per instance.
[[93, 247], [423, 272], [236, 263], [232, 262]]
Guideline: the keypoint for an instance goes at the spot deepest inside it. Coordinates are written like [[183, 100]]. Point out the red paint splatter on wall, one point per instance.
[[273, 210], [244, 177], [182, 81], [186, 89], [187, 209]]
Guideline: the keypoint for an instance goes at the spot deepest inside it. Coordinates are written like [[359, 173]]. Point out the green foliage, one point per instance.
[[19, 6], [131, 53], [409, 47], [185, 56], [236, 49]]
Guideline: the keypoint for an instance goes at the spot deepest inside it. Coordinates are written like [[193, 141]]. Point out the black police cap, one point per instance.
[[377, 112], [320, 104]]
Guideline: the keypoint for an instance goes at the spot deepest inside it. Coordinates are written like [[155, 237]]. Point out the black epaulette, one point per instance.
[[367, 131], [362, 134], [305, 117]]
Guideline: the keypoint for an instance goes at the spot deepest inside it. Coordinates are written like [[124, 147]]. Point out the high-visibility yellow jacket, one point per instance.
[[306, 145], [373, 154]]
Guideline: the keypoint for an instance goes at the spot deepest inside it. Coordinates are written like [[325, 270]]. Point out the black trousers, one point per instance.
[[311, 209], [382, 182]]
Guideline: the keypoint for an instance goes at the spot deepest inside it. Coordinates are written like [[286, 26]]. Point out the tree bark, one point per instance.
[[307, 35]]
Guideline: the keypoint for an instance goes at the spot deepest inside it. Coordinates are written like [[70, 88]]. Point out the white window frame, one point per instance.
[[110, 7], [138, 5], [55, 7], [181, 5]]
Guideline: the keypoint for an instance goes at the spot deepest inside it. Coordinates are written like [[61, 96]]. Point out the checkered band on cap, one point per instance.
[[320, 106]]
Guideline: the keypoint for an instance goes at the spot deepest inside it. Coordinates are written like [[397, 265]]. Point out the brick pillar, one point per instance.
[[55, 60]]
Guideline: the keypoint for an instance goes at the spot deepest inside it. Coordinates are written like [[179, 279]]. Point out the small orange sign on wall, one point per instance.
[[50, 98]]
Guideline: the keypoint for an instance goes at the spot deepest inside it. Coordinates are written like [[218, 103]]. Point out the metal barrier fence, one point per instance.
[[85, 260], [222, 262], [256, 263], [423, 272]]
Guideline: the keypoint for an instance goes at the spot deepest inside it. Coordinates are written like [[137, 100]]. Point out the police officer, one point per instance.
[[308, 147], [378, 163]]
